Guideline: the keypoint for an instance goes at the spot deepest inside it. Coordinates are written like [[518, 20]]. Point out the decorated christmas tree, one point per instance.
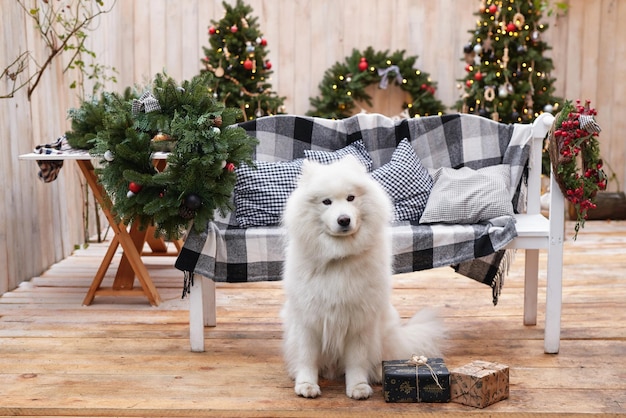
[[508, 77], [237, 57], [345, 82]]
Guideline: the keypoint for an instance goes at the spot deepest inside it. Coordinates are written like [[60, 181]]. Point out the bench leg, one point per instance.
[[554, 294], [531, 274], [554, 286], [202, 311]]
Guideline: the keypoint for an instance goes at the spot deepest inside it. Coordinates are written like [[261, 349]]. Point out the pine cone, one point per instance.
[[186, 213]]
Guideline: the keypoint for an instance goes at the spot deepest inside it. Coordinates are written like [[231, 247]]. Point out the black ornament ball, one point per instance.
[[193, 201], [468, 49]]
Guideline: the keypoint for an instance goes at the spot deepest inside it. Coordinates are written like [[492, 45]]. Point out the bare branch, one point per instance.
[[46, 21]]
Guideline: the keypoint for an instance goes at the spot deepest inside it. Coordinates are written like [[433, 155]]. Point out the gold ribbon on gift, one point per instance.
[[422, 361]]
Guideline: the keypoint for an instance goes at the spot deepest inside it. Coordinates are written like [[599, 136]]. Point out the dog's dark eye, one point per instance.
[[350, 198], [327, 202]]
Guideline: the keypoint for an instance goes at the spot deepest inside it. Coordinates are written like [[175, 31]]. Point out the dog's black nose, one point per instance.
[[343, 220]]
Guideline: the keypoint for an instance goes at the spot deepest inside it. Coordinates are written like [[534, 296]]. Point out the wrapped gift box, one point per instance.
[[479, 383], [416, 380]]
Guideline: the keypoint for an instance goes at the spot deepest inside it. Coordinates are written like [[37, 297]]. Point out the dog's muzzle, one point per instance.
[[344, 223]]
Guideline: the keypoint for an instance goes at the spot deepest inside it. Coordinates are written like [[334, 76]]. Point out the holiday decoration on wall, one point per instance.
[[198, 176], [237, 57], [507, 77], [575, 156], [345, 82]]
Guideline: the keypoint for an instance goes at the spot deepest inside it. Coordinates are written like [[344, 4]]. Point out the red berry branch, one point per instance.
[[575, 156]]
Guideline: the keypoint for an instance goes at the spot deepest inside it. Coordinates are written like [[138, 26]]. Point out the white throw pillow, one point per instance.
[[467, 196]]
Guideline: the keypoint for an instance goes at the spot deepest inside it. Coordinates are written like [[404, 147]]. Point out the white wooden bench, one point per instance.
[[535, 233]]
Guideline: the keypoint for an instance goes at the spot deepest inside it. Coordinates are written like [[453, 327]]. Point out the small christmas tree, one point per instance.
[[238, 60], [508, 78]]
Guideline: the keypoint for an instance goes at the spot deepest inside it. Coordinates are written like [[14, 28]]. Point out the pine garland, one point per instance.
[[575, 155], [345, 82], [205, 149]]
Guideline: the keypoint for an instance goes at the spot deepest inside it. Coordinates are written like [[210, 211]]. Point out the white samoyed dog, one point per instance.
[[338, 318]]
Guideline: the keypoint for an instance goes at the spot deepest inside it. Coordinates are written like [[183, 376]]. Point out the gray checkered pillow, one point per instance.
[[261, 192], [466, 196], [357, 148], [406, 181]]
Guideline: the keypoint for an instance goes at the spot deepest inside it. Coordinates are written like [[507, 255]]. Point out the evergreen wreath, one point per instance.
[[345, 82], [575, 156], [204, 150], [88, 119]]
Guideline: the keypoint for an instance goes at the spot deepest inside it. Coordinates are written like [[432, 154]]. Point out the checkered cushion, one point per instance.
[[356, 148], [406, 181], [466, 196], [261, 191]]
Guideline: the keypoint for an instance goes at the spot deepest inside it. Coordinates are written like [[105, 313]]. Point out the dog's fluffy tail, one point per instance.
[[423, 334]]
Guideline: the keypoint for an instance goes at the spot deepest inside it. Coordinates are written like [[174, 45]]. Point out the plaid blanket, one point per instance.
[[226, 252]]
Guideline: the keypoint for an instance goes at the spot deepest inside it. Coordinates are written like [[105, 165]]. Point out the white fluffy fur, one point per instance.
[[338, 318]]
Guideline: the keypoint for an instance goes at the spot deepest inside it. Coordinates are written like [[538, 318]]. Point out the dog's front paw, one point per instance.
[[360, 391], [308, 390]]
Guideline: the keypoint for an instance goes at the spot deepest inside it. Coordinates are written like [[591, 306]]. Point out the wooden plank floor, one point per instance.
[[122, 357]]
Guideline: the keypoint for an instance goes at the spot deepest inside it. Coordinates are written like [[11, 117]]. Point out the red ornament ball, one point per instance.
[[268, 65], [134, 187], [234, 28], [247, 64], [493, 9], [469, 83], [230, 167], [511, 27], [363, 64], [478, 76], [212, 30], [263, 42]]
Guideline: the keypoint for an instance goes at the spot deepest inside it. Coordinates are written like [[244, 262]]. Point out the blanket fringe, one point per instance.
[[503, 270], [187, 283]]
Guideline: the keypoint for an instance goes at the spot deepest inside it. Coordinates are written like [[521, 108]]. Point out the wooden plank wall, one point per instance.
[[41, 223]]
